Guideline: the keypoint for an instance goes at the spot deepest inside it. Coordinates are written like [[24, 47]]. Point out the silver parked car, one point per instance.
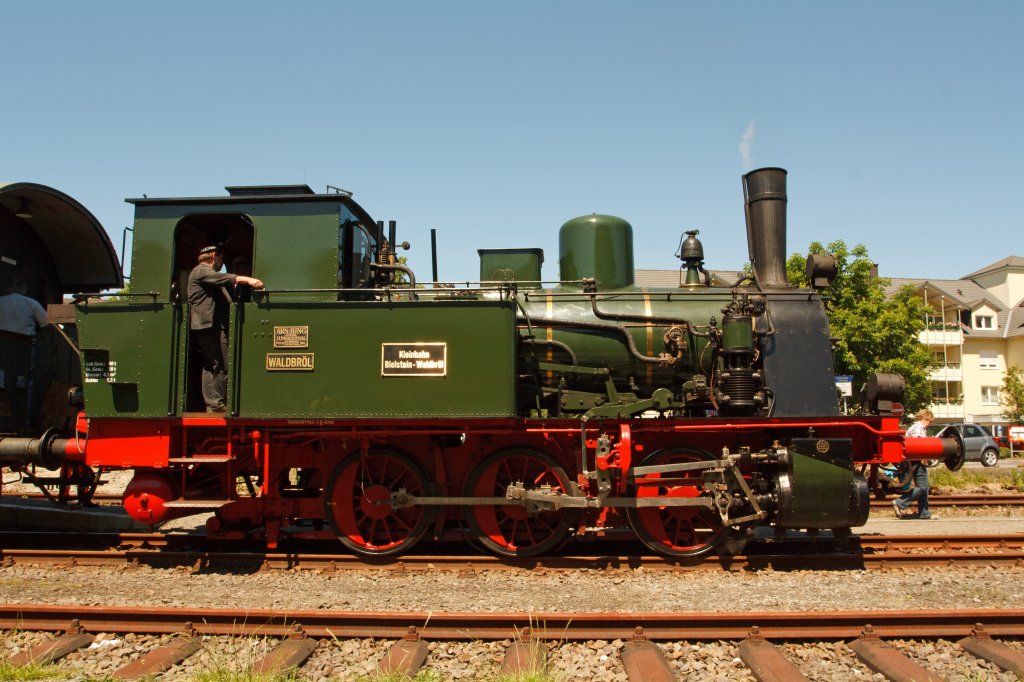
[[978, 442]]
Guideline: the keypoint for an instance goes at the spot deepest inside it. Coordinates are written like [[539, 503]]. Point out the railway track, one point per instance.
[[1008, 500], [876, 638], [862, 552]]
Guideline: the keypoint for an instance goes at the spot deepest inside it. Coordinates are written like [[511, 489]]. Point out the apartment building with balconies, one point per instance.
[[975, 330]]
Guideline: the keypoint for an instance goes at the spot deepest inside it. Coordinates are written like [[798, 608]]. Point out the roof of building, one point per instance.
[[672, 278], [964, 292], [970, 295], [1014, 325], [1008, 262]]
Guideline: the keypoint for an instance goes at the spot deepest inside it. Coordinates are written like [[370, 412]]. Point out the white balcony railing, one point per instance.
[[949, 372], [942, 337], [947, 410]]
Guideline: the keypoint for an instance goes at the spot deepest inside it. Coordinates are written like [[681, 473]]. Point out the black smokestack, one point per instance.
[[764, 194]]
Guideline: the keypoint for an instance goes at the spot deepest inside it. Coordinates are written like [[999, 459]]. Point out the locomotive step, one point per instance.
[[196, 504], [203, 419], [50, 481], [200, 458]]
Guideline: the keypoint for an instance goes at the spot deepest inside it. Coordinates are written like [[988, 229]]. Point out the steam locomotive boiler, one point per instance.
[[509, 414]]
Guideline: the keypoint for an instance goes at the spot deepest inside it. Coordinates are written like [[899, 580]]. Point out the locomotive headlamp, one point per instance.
[[821, 269], [882, 394], [24, 210]]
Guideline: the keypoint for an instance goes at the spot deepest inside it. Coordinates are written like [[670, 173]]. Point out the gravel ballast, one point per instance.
[[619, 591]]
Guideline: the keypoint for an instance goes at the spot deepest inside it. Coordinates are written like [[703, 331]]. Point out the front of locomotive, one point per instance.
[[707, 409]]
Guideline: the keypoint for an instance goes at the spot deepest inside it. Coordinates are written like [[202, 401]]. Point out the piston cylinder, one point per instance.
[[819, 488]]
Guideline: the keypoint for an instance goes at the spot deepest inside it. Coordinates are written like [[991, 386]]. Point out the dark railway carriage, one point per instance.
[[514, 415], [56, 248]]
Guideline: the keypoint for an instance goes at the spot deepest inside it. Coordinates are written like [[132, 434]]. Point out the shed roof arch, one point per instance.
[[80, 248]]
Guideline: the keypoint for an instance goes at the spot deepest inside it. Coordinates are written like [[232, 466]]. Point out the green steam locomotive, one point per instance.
[[511, 413]]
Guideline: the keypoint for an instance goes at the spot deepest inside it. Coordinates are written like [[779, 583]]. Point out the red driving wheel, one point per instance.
[[512, 530], [675, 531], [358, 502]]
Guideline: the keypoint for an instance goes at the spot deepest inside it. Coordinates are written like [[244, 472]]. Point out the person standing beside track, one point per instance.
[[209, 312], [919, 471]]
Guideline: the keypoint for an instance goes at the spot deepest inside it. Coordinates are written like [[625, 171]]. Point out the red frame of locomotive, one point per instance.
[[271, 447]]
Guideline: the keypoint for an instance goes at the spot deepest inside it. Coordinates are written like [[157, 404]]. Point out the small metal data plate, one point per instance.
[[413, 359], [289, 362], [291, 337], [102, 370]]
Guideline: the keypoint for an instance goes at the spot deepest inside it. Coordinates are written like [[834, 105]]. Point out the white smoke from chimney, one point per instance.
[[745, 143]]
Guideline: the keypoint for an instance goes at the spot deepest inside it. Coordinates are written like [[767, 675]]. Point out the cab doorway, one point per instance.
[[234, 235]]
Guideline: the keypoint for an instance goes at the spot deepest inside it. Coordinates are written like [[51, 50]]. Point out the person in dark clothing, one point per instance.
[[210, 309]]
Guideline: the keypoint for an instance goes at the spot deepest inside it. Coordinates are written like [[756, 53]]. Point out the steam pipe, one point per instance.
[[397, 268], [626, 317], [613, 328], [564, 347]]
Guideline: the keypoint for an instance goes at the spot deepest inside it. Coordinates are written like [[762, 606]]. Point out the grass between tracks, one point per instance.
[[977, 480], [238, 665], [436, 676], [533, 643], [536, 650], [33, 671]]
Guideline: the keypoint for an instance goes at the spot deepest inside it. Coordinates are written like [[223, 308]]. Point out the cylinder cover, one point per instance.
[[820, 488]]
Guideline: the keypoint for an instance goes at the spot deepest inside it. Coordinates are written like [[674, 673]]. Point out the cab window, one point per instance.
[[356, 250]]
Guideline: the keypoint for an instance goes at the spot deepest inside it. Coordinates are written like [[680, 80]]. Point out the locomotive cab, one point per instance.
[[235, 234], [141, 360]]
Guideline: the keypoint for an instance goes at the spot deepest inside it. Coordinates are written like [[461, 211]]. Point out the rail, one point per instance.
[[692, 625]]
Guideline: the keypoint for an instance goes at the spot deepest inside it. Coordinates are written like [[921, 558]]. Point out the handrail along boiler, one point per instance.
[[514, 415]]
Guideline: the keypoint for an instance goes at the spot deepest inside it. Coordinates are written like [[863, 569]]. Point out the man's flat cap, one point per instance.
[[212, 248]]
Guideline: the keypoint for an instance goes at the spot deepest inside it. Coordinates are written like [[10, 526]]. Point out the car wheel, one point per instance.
[[989, 458]]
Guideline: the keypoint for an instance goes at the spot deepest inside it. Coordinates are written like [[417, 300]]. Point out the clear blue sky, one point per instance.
[[899, 122]]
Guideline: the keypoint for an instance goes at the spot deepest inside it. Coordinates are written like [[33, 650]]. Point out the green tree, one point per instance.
[[1011, 396], [873, 333], [399, 277]]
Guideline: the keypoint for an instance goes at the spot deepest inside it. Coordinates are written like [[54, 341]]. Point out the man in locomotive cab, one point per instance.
[[209, 312], [240, 265], [19, 313]]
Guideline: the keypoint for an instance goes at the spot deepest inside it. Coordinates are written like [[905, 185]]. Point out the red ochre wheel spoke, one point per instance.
[[509, 530], [357, 509], [675, 531]]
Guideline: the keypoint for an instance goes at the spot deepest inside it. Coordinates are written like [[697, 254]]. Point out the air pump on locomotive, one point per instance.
[[507, 413]]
